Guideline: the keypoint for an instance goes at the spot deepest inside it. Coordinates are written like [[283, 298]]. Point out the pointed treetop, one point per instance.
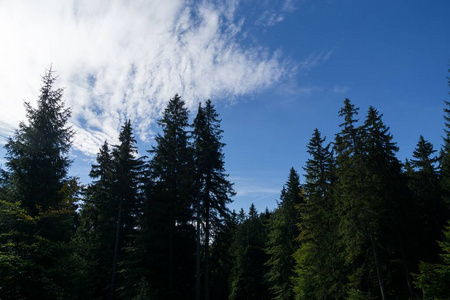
[[349, 112]]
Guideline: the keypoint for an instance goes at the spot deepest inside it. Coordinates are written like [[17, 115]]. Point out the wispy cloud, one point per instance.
[[338, 89], [314, 60], [120, 59], [247, 187], [276, 12]]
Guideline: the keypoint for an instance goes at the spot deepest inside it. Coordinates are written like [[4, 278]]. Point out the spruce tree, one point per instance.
[[128, 179], [96, 232], [434, 279], [169, 212], [38, 153], [213, 188], [249, 257], [109, 223], [427, 206], [365, 158], [382, 193], [350, 202], [44, 196], [318, 271], [283, 230]]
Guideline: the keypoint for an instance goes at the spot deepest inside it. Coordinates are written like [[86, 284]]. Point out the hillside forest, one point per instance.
[[361, 225]]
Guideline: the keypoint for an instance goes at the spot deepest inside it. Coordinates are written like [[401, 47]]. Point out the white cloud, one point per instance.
[[314, 60], [338, 89], [276, 12], [247, 187], [122, 59]]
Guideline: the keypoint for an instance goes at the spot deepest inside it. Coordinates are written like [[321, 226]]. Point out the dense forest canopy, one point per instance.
[[362, 225]]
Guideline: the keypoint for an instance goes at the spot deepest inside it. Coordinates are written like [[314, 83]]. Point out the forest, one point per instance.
[[362, 225]]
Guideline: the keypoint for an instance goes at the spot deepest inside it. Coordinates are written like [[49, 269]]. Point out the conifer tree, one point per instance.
[[434, 279], [169, 211], [37, 154], [128, 178], [96, 232], [364, 156], [428, 208], [318, 270], [42, 197], [222, 258], [110, 218], [249, 257], [213, 188], [283, 230], [350, 203], [382, 193]]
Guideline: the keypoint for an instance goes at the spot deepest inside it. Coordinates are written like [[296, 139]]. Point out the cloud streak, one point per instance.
[[122, 59]]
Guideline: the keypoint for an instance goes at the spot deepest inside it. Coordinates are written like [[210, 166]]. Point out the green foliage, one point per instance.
[[248, 250], [428, 209], [357, 228], [319, 269], [281, 239], [434, 279], [37, 154], [39, 214], [213, 190], [167, 232]]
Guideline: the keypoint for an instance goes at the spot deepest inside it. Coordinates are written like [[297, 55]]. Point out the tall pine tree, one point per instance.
[[213, 188], [38, 163], [169, 212], [283, 230], [318, 270], [96, 233], [128, 179]]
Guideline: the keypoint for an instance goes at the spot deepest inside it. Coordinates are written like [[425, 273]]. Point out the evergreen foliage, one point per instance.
[[39, 213], [249, 257], [213, 190], [281, 244], [318, 269], [168, 233], [428, 208], [362, 226]]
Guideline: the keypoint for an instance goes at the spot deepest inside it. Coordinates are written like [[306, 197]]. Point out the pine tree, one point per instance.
[[283, 231], [382, 193], [96, 233], [427, 205], [128, 179], [249, 257], [222, 258], [365, 160], [37, 155], [350, 202], [170, 203], [434, 279], [318, 271], [214, 189], [109, 220], [42, 196]]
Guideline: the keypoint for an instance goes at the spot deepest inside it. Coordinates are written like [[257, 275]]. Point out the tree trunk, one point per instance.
[[378, 267], [197, 254], [207, 225], [116, 252], [407, 275], [171, 257]]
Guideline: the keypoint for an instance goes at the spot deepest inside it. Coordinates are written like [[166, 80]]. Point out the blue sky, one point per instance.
[[274, 69]]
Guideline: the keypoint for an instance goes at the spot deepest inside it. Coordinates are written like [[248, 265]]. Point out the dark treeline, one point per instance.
[[363, 225]]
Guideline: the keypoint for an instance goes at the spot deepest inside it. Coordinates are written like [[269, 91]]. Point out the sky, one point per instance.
[[275, 70]]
